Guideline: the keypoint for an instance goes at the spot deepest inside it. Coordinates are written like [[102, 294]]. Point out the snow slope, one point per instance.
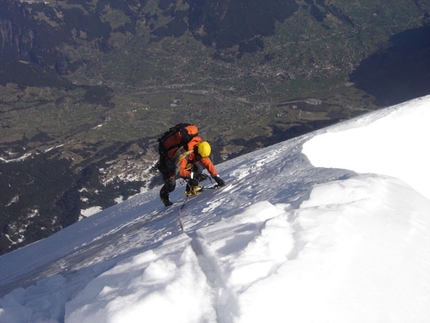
[[331, 227]]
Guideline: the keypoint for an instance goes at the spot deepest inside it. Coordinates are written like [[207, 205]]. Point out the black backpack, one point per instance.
[[175, 137]]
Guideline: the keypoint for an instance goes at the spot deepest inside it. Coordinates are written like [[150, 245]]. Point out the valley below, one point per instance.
[[86, 88]]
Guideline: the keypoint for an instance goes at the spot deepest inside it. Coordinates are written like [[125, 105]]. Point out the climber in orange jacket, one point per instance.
[[187, 162]]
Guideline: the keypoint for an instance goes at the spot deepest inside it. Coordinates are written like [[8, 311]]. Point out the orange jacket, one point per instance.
[[188, 159], [184, 162]]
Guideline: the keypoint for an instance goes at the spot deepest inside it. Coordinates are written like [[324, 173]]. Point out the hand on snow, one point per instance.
[[219, 181]]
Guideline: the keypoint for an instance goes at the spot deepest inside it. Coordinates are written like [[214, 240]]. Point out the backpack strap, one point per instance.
[[181, 153]]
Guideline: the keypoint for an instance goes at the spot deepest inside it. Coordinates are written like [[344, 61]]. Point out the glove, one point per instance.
[[219, 181]]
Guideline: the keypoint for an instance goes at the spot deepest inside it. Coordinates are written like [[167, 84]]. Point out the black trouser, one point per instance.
[[168, 187], [167, 168]]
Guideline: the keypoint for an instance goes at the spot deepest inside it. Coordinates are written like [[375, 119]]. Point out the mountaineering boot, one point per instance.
[[191, 191], [193, 188], [166, 201]]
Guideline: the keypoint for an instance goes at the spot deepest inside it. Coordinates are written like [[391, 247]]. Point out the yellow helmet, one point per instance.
[[204, 149]]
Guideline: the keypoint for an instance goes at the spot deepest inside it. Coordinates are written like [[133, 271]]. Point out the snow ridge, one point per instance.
[[224, 300], [301, 233]]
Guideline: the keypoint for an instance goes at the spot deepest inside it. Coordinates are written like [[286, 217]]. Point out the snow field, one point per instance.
[[313, 230]]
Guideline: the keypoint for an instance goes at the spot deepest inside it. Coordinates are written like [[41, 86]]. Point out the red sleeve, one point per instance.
[[209, 166], [184, 173]]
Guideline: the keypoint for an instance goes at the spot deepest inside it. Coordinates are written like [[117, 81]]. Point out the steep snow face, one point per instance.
[[300, 233], [394, 145]]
